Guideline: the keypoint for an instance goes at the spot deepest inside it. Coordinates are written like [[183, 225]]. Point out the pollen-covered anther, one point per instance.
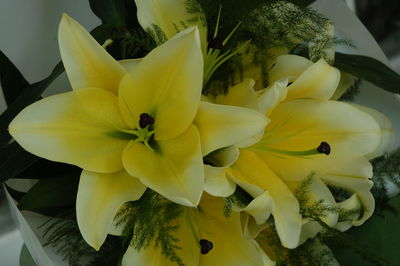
[[206, 246], [145, 120], [324, 147]]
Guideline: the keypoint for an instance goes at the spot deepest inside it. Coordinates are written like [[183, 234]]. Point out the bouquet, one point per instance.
[[203, 132]]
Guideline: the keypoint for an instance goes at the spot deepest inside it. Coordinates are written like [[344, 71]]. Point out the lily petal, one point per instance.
[[288, 66], [361, 187], [319, 81], [81, 127], [242, 95], [130, 64], [174, 168], [273, 96], [217, 182], [223, 125], [86, 62], [249, 168], [301, 125], [387, 134], [98, 200], [167, 85], [164, 18], [226, 234]]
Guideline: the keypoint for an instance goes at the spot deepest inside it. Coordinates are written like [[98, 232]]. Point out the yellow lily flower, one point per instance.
[[307, 134], [164, 18], [130, 125], [205, 237]]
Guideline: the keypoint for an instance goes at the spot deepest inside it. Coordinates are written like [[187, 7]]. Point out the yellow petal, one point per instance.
[[361, 187], [273, 96], [260, 207], [174, 169], [130, 64], [86, 62], [223, 125], [231, 247], [352, 206], [98, 200], [288, 66], [171, 17], [387, 135], [249, 168], [217, 181], [242, 95], [79, 127], [346, 81], [301, 125], [319, 81], [167, 85]]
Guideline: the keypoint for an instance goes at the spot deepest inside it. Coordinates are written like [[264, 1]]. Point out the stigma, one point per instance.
[[145, 120], [206, 246], [324, 147]]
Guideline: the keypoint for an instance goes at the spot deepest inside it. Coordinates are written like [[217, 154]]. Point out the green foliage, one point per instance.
[[273, 27], [386, 168], [11, 80], [14, 160], [370, 69], [239, 198], [50, 195], [152, 220], [119, 23]]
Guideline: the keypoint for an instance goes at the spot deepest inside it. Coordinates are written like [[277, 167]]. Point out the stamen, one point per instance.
[[324, 147], [206, 246], [145, 120]]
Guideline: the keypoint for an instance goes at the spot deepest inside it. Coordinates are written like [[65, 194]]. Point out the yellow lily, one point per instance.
[[206, 237], [130, 125], [165, 18], [307, 134]]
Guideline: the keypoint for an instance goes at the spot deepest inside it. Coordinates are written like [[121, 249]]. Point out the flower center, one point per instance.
[[206, 246]]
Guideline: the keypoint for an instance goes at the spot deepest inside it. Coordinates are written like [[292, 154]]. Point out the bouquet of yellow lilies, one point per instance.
[[203, 132]]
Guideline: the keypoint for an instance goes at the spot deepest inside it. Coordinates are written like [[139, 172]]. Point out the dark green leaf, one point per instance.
[[11, 80], [102, 33], [369, 69], [46, 169], [111, 12], [29, 95], [51, 193], [13, 160]]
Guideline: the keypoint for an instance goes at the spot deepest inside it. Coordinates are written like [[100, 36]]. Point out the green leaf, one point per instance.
[[369, 69], [50, 193], [111, 12], [46, 169], [13, 160], [381, 234], [302, 3], [102, 33], [11, 80], [28, 96], [25, 258], [15, 194]]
